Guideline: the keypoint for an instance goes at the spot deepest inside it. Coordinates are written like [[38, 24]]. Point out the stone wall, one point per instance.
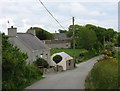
[[58, 43]]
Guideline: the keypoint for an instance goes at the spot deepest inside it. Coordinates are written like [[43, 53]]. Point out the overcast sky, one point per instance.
[[24, 14]]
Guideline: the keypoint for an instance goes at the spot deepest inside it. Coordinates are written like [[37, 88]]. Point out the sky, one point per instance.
[[24, 14]]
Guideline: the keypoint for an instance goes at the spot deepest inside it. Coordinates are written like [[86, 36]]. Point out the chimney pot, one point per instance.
[[31, 31], [11, 26]]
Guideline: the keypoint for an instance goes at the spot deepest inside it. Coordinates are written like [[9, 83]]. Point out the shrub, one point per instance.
[[106, 52], [15, 73], [104, 75], [41, 62]]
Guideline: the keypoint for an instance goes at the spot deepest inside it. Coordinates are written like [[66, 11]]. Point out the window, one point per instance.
[[46, 56], [69, 62], [41, 55]]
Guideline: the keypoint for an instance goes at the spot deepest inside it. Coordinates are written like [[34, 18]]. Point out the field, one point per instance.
[[71, 52], [77, 52], [104, 75]]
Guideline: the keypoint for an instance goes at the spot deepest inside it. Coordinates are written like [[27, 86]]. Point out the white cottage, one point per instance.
[[30, 44], [67, 61]]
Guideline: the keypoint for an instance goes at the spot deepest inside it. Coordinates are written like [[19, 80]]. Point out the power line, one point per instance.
[[50, 13], [55, 25]]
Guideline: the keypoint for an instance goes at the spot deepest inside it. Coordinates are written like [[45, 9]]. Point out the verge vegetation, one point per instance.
[[16, 74], [104, 74]]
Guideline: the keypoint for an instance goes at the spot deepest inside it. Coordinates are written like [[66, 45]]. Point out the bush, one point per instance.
[[104, 75], [106, 52], [15, 73], [41, 62]]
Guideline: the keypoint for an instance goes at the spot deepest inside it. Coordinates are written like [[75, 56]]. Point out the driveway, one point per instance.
[[71, 79]]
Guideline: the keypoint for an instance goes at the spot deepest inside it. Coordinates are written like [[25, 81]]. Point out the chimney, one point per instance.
[[31, 31], [12, 31]]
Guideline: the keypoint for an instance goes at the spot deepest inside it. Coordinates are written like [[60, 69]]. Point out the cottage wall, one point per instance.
[[45, 54], [32, 54], [69, 64], [59, 45]]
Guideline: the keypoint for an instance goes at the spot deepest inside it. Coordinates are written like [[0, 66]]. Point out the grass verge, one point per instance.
[[104, 75]]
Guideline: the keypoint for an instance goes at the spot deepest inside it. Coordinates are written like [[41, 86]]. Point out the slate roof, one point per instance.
[[32, 41], [61, 36]]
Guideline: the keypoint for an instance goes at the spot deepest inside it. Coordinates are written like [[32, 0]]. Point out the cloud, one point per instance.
[[26, 13]]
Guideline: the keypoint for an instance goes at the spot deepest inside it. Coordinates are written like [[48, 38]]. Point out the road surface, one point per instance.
[[71, 79]]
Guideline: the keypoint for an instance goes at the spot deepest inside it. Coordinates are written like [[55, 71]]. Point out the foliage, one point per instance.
[[43, 34], [118, 40], [41, 62], [102, 32], [109, 46], [0, 49], [104, 75], [62, 31], [71, 52], [85, 38], [16, 74], [92, 37], [118, 56], [106, 52], [77, 52], [57, 59]]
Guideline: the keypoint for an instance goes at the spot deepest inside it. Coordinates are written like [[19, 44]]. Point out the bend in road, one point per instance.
[[71, 79]]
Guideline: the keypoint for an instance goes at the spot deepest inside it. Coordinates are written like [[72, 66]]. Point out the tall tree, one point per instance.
[[62, 31], [85, 38], [43, 34]]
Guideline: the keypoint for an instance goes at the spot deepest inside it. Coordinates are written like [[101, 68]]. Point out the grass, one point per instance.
[[86, 54], [28, 83], [118, 56], [33, 81], [71, 52], [104, 75]]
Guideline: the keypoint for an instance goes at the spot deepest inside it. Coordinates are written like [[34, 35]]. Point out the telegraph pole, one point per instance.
[[73, 21]]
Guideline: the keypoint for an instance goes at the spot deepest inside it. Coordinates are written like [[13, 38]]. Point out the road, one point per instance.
[[71, 79], [117, 48]]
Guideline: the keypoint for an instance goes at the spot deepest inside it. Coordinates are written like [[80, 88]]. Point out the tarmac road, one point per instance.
[[71, 79]]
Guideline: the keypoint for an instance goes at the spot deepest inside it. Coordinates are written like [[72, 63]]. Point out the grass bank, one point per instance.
[[104, 75]]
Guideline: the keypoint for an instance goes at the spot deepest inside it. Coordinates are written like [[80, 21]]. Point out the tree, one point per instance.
[[43, 34], [118, 39], [15, 73], [84, 37], [62, 31]]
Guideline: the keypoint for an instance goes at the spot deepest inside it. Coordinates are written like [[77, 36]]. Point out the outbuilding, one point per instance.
[[67, 61]]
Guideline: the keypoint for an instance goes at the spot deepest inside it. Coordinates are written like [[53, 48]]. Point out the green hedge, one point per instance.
[[16, 74]]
